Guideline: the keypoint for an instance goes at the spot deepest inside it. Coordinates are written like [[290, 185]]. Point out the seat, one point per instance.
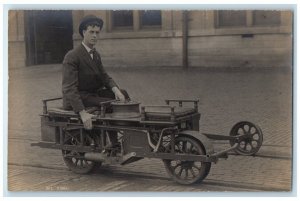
[[61, 112], [164, 113], [68, 113]]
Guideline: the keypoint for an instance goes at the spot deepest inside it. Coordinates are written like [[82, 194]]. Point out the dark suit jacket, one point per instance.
[[81, 76]]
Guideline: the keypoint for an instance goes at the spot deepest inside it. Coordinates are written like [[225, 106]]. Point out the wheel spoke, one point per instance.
[[249, 128], [242, 144], [184, 147], [192, 171], [257, 141], [176, 166], [191, 148], [179, 149], [244, 130], [251, 146], [255, 130], [86, 163], [180, 171], [186, 174], [256, 133], [240, 131], [198, 168], [245, 146]]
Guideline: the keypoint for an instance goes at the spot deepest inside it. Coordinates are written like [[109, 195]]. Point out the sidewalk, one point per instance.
[[226, 97]]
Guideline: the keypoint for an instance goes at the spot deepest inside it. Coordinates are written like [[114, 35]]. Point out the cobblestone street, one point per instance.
[[262, 96]]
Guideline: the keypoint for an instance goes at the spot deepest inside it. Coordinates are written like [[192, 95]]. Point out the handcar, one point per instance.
[[169, 132]]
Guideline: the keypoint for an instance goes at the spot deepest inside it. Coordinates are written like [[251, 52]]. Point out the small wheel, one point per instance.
[[251, 139], [187, 172], [75, 160]]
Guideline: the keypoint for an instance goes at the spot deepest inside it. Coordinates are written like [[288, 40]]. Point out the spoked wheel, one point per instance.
[[75, 160], [251, 140], [187, 172]]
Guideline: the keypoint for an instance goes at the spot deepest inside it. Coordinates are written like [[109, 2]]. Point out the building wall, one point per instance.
[[16, 46], [262, 50], [137, 47], [208, 44], [142, 52], [269, 46]]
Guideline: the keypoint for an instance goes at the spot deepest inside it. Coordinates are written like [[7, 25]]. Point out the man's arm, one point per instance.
[[118, 94], [70, 89], [106, 79], [110, 83], [70, 82]]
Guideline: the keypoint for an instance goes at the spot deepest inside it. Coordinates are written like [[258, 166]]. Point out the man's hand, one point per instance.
[[86, 119], [118, 94]]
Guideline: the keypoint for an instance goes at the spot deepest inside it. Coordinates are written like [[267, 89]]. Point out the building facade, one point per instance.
[[150, 38]]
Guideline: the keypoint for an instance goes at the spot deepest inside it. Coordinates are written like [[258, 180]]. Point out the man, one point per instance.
[[85, 82]]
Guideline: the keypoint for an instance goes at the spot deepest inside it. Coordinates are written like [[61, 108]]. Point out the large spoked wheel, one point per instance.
[[75, 160], [251, 139], [187, 172]]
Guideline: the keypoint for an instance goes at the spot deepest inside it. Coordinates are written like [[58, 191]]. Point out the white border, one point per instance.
[[135, 4]]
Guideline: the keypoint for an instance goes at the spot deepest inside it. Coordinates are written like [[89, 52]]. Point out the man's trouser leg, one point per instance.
[[102, 96]]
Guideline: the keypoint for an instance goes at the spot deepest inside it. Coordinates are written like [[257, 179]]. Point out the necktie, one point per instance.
[[93, 52]]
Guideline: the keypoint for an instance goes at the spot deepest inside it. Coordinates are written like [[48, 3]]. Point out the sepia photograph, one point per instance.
[[150, 100]]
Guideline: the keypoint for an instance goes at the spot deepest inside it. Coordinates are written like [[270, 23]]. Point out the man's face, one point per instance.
[[91, 35]]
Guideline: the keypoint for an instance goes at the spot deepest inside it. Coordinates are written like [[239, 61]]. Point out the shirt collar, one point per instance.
[[86, 47]]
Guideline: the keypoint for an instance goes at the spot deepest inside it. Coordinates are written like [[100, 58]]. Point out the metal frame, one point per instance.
[[141, 137], [101, 125]]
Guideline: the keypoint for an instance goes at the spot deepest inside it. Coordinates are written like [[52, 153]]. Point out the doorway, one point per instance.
[[48, 36]]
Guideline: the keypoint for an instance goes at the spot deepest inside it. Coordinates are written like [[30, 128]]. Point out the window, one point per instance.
[[263, 17], [150, 18], [134, 20], [122, 18], [243, 18], [230, 18]]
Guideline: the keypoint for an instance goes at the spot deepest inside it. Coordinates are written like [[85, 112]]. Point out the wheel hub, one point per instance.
[[247, 138], [186, 164]]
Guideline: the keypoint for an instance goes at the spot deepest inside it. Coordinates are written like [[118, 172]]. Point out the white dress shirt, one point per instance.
[[87, 49]]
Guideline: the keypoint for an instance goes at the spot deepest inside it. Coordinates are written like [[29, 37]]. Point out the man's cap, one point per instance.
[[87, 19]]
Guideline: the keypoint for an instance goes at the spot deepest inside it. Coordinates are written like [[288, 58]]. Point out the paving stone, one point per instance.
[[226, 97]]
